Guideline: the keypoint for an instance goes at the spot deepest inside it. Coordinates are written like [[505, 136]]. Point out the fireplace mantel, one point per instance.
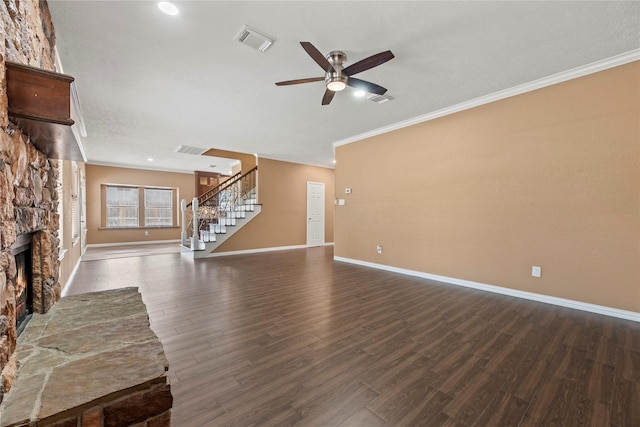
[[39, 103]]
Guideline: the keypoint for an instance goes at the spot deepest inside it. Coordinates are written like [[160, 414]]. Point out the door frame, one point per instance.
[[322, 213]]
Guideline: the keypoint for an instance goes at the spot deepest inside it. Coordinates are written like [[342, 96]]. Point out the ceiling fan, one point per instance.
[[336, 77]]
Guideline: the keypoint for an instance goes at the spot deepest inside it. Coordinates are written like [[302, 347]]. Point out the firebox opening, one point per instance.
[[24, 281]]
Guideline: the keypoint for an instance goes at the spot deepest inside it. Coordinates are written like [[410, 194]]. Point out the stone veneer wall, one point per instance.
[[28, 201]]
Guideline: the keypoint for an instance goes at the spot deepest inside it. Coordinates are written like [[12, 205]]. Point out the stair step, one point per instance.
[[207, 236], [218, 228], [219, 232], [227, 221]]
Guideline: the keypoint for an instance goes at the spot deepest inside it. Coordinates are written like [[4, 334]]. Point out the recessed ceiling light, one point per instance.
[[359, 93], [168, 8], [149, 159]]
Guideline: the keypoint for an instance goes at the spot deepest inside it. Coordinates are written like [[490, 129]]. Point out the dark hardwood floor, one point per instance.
[[294, 338]]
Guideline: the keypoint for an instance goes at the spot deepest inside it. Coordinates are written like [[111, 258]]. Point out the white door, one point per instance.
[[315, 213]]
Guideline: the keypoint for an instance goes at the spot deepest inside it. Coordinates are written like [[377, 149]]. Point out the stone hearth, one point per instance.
[[92, 360]]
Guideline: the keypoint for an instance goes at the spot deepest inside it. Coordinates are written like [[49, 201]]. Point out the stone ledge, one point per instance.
[[91, 353]]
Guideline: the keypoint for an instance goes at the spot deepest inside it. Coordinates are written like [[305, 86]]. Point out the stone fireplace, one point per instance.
[[29, 224], [28, 198], [29, 265]]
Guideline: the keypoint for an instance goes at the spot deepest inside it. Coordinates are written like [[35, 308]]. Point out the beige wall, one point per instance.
[[282, 191], [73, 249], [247, 161], [98, 175], [548, 178]]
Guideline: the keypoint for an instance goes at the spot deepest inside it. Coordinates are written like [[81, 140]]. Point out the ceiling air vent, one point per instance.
[[254, 38], [379, 99], [186, 149]]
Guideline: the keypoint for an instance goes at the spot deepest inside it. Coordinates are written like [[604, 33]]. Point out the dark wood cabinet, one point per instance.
[[206, 181]]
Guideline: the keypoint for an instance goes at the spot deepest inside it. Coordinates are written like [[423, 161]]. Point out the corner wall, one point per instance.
[[98, 175], [74, 248], [282, 192], [548, 178]]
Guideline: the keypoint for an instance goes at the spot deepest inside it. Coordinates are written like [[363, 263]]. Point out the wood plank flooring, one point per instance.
[[294, 338]]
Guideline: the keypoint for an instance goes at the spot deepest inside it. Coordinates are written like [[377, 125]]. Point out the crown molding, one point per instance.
[[574, 73]]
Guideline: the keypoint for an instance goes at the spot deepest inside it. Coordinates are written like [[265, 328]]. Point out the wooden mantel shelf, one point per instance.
[[40, 105]]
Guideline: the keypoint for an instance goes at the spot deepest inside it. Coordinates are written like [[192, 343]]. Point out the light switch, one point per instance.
[[341, 202]]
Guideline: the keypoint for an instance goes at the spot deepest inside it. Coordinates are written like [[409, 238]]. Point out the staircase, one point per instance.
[[219, 213]]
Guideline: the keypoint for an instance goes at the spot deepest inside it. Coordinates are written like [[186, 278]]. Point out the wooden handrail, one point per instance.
[[222, 186], [216, 189]]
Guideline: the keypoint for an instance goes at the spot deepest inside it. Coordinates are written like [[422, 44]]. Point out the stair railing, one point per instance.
[[218, 206]]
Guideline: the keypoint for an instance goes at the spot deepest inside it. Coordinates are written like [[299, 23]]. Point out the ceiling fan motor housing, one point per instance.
[[336, 80]]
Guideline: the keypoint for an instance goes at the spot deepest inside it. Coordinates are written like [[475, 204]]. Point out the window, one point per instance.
[[122, 206], [130, 206], [158, 207]]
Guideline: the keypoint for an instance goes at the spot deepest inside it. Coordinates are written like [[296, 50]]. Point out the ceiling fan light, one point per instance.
[[168, 8], [336, 86]]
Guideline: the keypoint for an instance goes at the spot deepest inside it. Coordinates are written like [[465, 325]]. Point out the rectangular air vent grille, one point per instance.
[[379, 99], [186, 149], [254, 38]]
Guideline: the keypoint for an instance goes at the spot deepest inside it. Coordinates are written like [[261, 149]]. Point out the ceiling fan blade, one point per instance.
[[328, 96], [298, 81], [317, 56], [366, 86], [370, 62]]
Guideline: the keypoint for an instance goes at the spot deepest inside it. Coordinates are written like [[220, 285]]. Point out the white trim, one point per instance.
[[93, 162], [256, 251], [574, 73], [577, 305], [260, 250], [317, 165], [67, 285], [144, 242], [329, 244], [322, 213]]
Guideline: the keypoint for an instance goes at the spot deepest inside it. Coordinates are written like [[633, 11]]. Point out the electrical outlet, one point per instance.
[[347, 191], [536, 271], [379, 249], [146, 232]]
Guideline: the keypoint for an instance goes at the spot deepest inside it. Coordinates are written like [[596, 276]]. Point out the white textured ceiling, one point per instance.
[[149, 82]]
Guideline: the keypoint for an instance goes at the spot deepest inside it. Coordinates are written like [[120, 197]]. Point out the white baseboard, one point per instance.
[[256, 251], [65, 288], [593, 308], [144, 242]]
